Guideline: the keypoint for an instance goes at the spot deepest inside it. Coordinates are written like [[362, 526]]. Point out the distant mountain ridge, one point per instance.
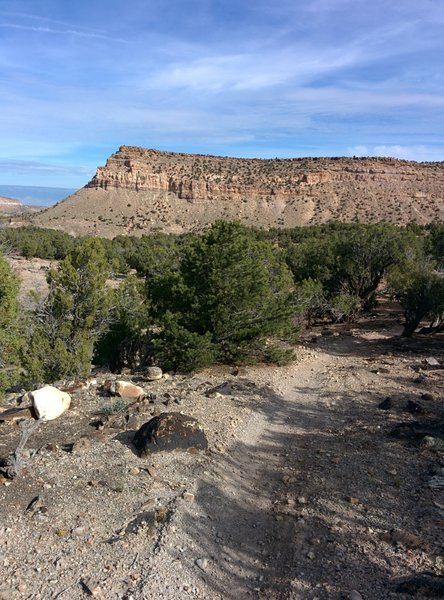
[[35, 195], [142, 190]]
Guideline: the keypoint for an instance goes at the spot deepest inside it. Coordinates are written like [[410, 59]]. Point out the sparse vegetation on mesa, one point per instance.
[[145, 191], [231, 294]]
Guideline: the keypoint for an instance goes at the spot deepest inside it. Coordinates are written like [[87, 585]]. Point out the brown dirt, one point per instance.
[[303, 493]]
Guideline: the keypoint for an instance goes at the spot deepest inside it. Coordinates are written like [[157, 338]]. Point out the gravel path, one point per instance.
[[315, 499], [303, 495]]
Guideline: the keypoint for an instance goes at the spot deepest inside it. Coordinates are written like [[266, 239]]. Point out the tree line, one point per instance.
[[231, 294]]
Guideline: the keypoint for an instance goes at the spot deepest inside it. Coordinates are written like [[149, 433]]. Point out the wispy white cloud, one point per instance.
[[51, 30], [248, 71], [31, 167], [239, 78]]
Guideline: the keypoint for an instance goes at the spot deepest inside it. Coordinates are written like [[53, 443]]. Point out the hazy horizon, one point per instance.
[[33, 195]]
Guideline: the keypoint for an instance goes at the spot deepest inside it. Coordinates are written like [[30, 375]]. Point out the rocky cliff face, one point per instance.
[[141, 190]]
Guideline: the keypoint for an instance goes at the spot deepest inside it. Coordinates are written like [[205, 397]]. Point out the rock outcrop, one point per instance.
[[141, 190]]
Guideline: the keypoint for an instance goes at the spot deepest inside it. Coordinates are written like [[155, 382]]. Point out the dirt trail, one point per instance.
[[303, 495], [314, 500]]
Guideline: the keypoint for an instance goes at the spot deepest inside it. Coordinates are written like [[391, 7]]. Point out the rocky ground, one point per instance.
[[308, 489]]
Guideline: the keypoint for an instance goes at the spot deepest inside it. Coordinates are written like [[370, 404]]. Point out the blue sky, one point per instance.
[[244, 78]]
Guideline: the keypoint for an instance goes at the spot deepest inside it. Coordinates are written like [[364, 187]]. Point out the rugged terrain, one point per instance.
[[140, 190], [8, 206], [308, 490]]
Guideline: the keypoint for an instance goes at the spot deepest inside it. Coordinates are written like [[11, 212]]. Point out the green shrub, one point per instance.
[[420, 291], [11, 337], [71, 318], [125, 342], [179, 349], [229, 288], [278, 355]]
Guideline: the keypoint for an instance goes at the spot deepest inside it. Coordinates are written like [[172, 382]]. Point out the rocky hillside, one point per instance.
[[8, 206], [141, 190]]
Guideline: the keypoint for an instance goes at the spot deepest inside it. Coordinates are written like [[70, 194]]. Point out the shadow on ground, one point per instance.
[[323, 502]]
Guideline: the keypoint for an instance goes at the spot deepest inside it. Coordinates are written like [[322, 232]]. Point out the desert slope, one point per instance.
[[141, 190], [8, 206]]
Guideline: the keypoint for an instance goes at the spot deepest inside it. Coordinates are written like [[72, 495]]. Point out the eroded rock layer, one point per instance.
[[8, 206], [141, 190]]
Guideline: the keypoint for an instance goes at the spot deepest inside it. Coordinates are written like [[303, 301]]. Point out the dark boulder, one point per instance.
[[426, 585], [170, 431], [415, 431]]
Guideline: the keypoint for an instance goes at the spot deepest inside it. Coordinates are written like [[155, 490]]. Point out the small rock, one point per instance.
[[352, 500], [428, 442], [432, 362], [188, 497], [35, 505], [90, 585], [125, 389], [152, 471], [302, 500], [202, 563], [134, 471], [239, 371], [154, 373], [311, 555], [108, 385], [414, 408], [355, 595]]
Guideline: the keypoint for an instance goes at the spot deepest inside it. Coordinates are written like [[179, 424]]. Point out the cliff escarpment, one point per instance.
[[141, 190]]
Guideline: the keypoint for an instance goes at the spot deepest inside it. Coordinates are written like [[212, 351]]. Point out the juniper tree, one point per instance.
[[73, 315], [230, 288]]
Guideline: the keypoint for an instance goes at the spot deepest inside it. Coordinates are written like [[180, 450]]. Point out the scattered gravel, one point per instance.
[[303, 492]]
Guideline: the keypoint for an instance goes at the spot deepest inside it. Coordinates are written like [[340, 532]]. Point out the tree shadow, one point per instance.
[[306, 512]]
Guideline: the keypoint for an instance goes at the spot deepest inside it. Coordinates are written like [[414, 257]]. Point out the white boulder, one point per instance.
[[49, 402]]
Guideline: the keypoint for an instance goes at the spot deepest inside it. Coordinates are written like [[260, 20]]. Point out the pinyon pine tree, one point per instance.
[[71, 318]]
